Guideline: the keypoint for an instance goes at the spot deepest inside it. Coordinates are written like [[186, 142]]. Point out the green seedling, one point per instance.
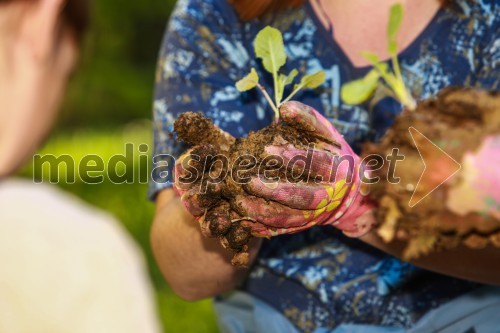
[[269, 47], [359, 91]]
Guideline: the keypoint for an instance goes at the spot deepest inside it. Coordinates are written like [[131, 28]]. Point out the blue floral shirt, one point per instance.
[[318, 278]]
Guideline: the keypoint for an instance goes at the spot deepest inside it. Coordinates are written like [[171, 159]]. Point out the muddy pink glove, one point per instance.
[[335, 197]]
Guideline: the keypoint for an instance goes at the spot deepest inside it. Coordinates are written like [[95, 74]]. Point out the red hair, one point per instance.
[[250, 9]]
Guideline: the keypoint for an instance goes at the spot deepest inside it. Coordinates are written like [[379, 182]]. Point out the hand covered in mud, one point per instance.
[[322, 185], [199, 193], [294, 174]]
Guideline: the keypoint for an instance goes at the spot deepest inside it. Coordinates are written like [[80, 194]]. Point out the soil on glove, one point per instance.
[[457, 120], [223, 166]]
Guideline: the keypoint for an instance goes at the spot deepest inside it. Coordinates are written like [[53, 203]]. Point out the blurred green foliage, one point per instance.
[[108, 104], [114, 82]]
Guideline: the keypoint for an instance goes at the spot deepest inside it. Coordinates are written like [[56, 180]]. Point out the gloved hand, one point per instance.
[[337, 196], [333, 196]]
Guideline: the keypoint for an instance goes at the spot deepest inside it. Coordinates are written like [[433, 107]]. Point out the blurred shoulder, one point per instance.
[[52, 241], [46, 211]]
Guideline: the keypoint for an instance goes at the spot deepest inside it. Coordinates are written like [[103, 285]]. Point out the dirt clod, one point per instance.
[[457, 121], [218, 184]]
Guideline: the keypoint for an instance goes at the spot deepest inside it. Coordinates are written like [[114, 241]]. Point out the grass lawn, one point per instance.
[[128, 202]]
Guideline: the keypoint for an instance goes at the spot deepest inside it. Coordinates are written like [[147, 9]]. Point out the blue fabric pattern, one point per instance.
[[319, 278]]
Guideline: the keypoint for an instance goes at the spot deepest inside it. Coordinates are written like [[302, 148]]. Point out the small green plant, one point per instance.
[[361, 90], [270, 48]]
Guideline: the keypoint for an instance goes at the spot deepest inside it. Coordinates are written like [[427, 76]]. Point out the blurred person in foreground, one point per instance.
[[66, 267]]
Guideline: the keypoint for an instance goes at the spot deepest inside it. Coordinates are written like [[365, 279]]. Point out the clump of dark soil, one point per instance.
[[222, 175], [457, 120]]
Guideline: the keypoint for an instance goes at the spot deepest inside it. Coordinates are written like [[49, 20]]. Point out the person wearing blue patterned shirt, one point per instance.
[[319, 280]]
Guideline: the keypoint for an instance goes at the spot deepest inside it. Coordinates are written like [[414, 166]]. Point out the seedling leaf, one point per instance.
[[357, 92], [371, 57], [248, 82], [361, 90], [395, 20], [313, 81], [270, 48], [288, 79], [284, 80], [392, 48]]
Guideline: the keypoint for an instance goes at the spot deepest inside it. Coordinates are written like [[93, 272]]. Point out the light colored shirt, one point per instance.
[[67, 267]]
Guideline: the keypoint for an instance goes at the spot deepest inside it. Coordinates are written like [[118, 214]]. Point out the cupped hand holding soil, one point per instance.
[[287, 177]]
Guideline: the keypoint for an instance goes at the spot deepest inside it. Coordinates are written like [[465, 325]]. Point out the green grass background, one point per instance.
[[108, 104]]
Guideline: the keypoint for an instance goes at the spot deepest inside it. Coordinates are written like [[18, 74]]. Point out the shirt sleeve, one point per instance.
[[204, 52]]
